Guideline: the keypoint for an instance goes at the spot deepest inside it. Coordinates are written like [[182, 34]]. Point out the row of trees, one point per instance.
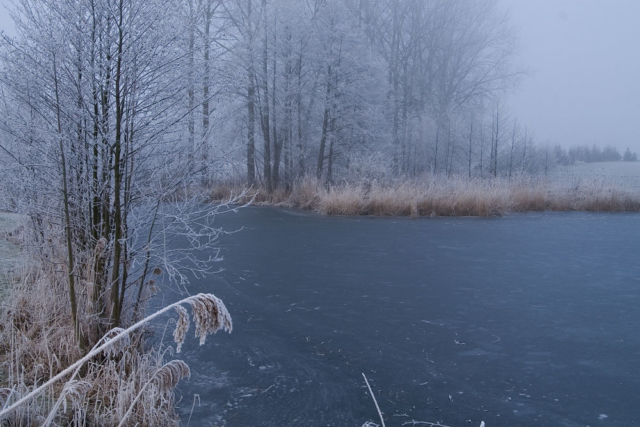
[[324, 88], [327, 83], [94, 99], [276, 90], [586, 154]]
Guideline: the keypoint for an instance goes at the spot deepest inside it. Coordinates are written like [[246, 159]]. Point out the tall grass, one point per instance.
[[453, 196], [47, 381]]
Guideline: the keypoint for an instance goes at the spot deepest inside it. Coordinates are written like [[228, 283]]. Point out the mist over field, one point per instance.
[[157, 155], [581, 88]]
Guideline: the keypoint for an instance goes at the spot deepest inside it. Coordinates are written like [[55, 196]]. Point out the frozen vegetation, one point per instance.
[[121, 121], [9, 252], [574, 188], [625, 175]]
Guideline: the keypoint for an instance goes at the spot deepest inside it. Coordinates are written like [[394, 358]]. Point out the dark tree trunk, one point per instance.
[[208, 15], [325, 125], [251, 147], [265, 108], [117, 179]]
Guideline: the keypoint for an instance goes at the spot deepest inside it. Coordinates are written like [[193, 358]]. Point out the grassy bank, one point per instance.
[[454, 196], [37, 342], [120, 381]]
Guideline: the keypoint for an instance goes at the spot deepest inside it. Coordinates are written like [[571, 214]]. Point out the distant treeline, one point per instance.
[[584, 153]]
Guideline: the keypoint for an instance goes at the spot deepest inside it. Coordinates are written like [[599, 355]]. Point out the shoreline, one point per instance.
[[443, 197]]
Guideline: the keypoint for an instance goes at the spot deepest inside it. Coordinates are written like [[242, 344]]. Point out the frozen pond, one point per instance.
[[527, 320]]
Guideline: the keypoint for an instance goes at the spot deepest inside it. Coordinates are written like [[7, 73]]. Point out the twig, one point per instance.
[[427, 423], [195, 396], [374, 399]]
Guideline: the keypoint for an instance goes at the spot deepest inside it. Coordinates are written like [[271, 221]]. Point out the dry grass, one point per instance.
[[454, 196], [119, 382], [345, 200], [529, 198], [442, 197], [594, 196], [305, 194], [240, 194]]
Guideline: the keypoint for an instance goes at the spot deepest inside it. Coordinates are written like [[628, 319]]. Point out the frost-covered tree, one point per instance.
[[95, 97]]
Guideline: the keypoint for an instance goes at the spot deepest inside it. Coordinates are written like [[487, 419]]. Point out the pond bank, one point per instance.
[[442, 196], [38, 345]]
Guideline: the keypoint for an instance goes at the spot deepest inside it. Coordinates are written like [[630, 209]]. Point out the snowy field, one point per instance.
[[8, 251], [8, 221], [624, 174]]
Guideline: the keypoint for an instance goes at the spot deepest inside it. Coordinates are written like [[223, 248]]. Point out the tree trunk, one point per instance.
[[251, 148], [331, 144], [208, 14], [277, 144], [288, 122], [325, 125], [117, 179], [470, 148], [524, 151], [96, 230], [301, 145], [435, 156], [191, 126], [495, 150], [67, 219], [513, 143], [265, 108], [481, 149]]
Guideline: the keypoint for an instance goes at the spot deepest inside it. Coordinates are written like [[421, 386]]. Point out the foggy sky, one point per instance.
[[584, 62], [6, 24]]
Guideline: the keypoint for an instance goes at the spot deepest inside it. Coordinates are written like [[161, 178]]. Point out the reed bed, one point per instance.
[[37, 342], [451, 196], [120, 382]]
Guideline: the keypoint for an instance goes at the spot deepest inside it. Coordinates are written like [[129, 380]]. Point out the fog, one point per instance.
[[583, 85], [127, 127], [6, 24]]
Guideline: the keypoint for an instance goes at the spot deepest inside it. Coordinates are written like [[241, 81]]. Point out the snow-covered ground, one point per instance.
[[8, 221], [625, 174], [8, 251]]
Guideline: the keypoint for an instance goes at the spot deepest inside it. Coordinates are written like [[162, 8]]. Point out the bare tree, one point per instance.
[[106, 117]]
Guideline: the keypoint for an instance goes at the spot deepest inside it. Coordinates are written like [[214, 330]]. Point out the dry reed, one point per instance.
[[47, 381], [454, 196]]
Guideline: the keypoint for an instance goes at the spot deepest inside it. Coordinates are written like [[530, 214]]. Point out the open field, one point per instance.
[[625, 174], [8, 221], [9, 252]]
